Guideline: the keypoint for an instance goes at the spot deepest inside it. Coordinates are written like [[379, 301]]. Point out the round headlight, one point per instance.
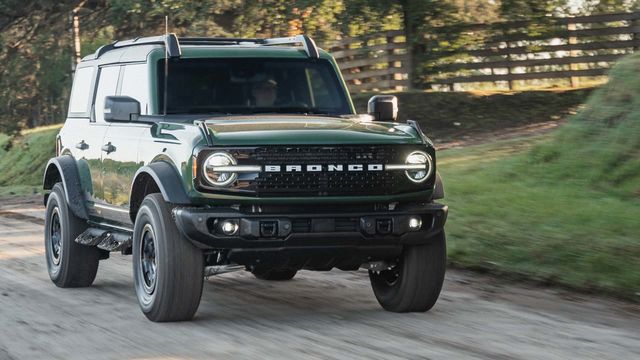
[[213, 172], [423, 168]]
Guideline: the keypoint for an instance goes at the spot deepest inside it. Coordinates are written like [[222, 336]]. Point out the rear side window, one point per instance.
[[107, 86], [81, 91], [135, 84]]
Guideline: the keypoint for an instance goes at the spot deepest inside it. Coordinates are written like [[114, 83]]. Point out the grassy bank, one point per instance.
[[564, 210], [22, 160], [517, 221]]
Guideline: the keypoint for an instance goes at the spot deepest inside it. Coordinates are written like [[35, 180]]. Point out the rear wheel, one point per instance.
[[69, 264], [273, 274], [168, 270], [414, 283]]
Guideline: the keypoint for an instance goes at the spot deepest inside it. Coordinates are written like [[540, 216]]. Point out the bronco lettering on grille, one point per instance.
[[318, 167]]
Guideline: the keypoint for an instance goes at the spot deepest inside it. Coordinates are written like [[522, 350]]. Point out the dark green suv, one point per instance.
[[201, 156]]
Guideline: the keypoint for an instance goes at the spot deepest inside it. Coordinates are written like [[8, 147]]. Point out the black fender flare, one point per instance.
[[66, 168], [438, 190], [168, 180]]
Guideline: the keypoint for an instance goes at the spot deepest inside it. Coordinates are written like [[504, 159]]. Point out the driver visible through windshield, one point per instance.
[[251, 86]]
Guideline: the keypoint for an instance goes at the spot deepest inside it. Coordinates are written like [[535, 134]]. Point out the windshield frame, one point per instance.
[[157, 84]]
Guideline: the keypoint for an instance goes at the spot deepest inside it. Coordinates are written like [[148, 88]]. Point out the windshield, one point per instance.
[[251, 86]]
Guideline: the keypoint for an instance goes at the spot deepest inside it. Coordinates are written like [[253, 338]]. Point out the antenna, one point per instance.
[[166, 61]]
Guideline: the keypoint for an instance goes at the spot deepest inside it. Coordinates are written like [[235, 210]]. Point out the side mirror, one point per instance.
[[383, 107], [121, 108]]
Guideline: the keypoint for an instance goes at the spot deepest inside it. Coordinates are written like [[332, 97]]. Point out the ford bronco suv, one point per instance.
[[199, 156]]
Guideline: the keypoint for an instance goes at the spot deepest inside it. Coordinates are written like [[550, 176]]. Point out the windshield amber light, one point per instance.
[[58, 145], [194, 167], [219, 178]]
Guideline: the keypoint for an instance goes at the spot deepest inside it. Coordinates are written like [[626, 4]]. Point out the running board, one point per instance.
[[105, 240]]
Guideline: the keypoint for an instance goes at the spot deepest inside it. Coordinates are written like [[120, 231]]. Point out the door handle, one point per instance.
[[82, 145], [108, 148]]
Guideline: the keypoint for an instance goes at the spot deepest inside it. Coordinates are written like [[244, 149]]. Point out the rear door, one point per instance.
[[73, 135]]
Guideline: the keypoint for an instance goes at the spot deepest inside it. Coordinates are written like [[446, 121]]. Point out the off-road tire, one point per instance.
[[273, 274], [415, 283], [69, 264], [173, 292]]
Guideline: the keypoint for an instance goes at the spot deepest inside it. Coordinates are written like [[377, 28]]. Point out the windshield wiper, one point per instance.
[[290, 110], [198, 110]]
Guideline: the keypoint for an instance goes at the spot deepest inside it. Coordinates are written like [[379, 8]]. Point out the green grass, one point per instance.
[[23, 158], [514, 220]]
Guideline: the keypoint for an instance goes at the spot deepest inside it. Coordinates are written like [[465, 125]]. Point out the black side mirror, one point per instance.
[[383, 107], [121, 108]]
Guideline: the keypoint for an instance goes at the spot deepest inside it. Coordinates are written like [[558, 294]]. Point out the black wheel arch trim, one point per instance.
[[168, 180], [438, 191], [67, 170]]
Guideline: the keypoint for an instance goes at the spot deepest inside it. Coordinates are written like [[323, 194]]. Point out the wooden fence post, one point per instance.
[[506, 35], [634, 33], [575, 81], [393, 66]]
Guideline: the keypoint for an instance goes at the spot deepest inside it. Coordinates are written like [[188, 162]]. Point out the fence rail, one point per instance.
[[506, 52]]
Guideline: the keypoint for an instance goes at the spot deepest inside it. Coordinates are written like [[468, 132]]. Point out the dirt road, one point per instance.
[[317, 315]]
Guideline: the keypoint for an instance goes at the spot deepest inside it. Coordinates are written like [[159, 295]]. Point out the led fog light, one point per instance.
[[229, 227], [415, 223]]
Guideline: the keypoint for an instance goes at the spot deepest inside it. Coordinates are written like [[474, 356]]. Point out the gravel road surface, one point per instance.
[[331, 315]]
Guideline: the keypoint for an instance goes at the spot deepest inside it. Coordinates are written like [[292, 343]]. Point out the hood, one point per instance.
[[301, 129]]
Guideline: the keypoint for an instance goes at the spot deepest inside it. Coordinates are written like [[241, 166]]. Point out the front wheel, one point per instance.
[[414, 283], [168, 270]]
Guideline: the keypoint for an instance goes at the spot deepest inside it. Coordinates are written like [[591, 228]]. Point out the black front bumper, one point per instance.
[[371, 234]]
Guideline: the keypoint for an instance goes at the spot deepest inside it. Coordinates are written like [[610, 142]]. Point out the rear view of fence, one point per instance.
[[501, 53]]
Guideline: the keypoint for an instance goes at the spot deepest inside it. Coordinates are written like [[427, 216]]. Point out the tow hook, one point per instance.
[[378, 266], [268, 229]]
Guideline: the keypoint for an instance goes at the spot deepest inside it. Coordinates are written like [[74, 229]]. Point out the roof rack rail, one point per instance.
[[172, 43], [217, 41], [307, 42]]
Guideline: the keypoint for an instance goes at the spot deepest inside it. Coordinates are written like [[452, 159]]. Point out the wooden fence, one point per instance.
[[379, 62], [548, 48]]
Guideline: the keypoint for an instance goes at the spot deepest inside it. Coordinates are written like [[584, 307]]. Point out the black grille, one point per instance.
[[326, 183]]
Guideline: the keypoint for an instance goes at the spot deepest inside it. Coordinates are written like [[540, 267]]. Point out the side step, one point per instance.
[[105, 239]]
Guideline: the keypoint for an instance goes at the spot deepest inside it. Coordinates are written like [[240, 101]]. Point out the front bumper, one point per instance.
[[374, 233]]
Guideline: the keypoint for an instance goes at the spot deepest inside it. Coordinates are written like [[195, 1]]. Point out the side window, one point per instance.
[[107, 85], [81, 91], [135, 84]]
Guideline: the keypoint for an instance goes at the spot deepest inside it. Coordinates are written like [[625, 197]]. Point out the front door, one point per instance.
[[118, 169], [120, 163]]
